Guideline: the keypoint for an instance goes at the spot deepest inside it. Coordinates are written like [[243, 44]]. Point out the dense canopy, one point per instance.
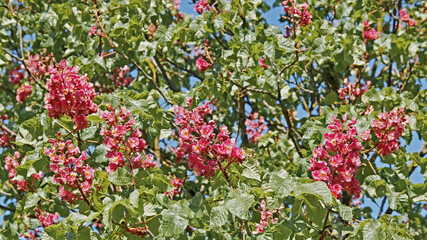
[[129, 119]]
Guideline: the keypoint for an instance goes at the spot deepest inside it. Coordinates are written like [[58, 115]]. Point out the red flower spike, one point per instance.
[[340, 169], [198, 141], [69, 94]]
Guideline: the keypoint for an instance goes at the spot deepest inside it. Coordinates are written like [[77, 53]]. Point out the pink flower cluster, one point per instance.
[[266, 217], [175, 10], [47, 219], [340, 170], [369, 33], [388, 129], [122, 146], [352, 90], [255, 126], [23, 92], [17, 74], [120, 76], [301, 12], [31, 234], [177, 183], [67, 164], [201, 6], [261, 62], [11, 163], [368, 111], [404, 16], [202, 65], [176, 4], [93, 31], [38, 65], [70, 94], [198, 141], [151, 30], [4, 136]]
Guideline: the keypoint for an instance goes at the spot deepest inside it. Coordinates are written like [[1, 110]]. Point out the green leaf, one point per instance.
[[345, 212], [331, 98], [219, 216], [269, 49], [238, 203], [174, 221], [121, 177], [149, 210], [281, 183], [134, 198], [77, 218], [316, 212], [165, 133], [54, 232], [321, 189], [94, 118], [99, 154], [251, 169], [31, 200], [30, 132]]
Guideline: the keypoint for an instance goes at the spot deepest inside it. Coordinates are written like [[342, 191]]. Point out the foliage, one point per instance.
[[127, 119]]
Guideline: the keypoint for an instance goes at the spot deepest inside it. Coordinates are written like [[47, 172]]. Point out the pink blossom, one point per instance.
[[301, 13], [339, 172], [37, 176], [371, 34], [47, 219], [388, 129], [148, 162], [255, 127], [202, 65], [261, 62], [38, 66], [121, 76], [267, 217], [352, 91], [201, 6], [66, 163], [16, 75], [93, 30], [199, 143], [404, 15], [69, 94]]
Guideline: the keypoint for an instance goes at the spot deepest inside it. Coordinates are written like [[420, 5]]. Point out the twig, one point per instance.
[[7, 208], [159, 66], [69, 131], [104, 34], [323, 232], [285, 111], [184, 69], [382, 206]]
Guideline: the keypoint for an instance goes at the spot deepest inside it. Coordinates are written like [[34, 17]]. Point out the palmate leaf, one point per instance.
[[120, 177], [238, 203], [174, 221]]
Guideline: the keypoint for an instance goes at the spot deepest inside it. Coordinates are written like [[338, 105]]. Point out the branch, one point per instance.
[[104, 34], [284, 110], [220, 42], [7, 208], [323, 232], [184, 69], [26, 68], [8, 130], [382, 206], [159, 66]]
